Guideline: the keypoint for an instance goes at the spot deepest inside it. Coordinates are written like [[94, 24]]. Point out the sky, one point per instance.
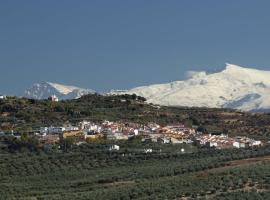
[[121, 44]]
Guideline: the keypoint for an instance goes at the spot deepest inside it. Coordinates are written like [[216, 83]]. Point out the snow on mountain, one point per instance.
[[45, 89], [234, 87]]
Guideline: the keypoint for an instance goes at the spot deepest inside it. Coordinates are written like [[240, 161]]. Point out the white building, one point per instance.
[[148, 150], [165, 140], [187, 141], [136, 132], [213, 144], [56, 129], [256, 143], [114, 148], [53, 98], [153, 126], [52, 130], [70, 128], [120, 136], [239, 145], [2, 96], [84, 124]]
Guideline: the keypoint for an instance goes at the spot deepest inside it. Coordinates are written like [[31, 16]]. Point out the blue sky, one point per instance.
[[117, 44]]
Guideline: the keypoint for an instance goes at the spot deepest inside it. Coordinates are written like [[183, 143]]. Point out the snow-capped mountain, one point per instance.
[[45, 89], [234, 87]]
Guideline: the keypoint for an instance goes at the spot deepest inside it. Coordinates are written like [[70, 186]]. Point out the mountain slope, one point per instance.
[[234, 87], [45, 89]]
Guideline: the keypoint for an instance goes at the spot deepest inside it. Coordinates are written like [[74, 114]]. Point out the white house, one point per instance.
[[256, 143], [121, 137], [52, 130], [53, 98], [165, 140], [187, 141], [136, 132], [148, 150], [114, 148], [239, 145], [71, 128], [153, 126], [213, 144], [84, 124], [2, 96]]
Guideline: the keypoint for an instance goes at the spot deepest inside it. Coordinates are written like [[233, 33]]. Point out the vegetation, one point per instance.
[[90, 171]]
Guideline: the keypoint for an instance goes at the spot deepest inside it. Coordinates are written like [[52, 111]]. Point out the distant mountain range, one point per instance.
[[234, 87], [45, 89]]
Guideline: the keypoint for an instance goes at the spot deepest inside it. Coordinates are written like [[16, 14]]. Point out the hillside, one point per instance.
[[24, 114]]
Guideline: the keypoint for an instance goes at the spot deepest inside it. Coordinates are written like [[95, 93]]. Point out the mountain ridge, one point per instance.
[[234, 87], [45, 89]]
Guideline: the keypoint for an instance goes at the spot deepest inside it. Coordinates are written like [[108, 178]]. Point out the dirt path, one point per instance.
[[120, 183]]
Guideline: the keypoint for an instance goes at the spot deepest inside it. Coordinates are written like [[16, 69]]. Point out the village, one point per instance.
[[86, 131]]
